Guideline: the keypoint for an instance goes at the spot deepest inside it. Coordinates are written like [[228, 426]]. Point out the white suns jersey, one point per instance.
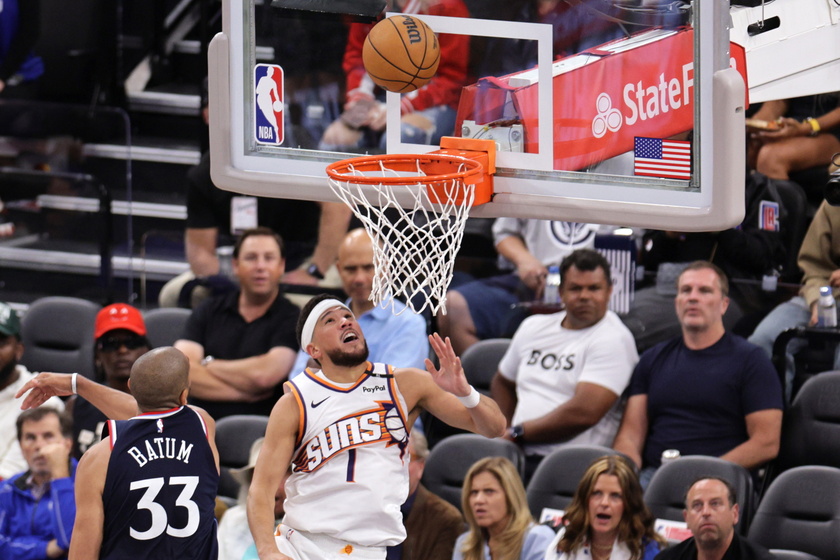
[[350, 464]]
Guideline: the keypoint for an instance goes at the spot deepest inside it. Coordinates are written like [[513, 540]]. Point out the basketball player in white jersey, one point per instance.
[[345, 430]]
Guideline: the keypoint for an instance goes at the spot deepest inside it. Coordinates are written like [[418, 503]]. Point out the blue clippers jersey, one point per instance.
[[160, 489]]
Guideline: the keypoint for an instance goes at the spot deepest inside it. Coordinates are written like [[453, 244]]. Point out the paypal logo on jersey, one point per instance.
[[373, 389]]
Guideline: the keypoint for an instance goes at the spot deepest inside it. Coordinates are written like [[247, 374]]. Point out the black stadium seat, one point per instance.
[[165, 325], [449, 461], [57, 334], [234, 437], [801, 511]]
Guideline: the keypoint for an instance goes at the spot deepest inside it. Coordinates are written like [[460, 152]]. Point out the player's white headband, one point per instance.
[[309, 326]]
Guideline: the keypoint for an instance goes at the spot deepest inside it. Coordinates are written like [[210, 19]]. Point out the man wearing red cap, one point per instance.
[[120, 335]]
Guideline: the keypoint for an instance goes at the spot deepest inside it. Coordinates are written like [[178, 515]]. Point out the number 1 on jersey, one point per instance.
[[351, 465]]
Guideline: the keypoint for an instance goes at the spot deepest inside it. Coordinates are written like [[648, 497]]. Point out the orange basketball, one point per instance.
[[401, 53]]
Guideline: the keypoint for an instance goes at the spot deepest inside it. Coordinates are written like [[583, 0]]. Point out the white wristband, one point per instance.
[[471, 400], [73, 383]]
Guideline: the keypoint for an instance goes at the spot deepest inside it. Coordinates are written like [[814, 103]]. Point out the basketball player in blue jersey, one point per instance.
[[345, 430], [148, 490]]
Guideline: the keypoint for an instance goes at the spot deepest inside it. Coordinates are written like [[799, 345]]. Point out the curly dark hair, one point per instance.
[[636, 525]]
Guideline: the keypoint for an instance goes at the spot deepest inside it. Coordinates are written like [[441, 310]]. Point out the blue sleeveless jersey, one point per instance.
[[160, 488]]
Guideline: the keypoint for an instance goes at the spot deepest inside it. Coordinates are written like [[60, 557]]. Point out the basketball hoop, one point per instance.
[[415, 208]]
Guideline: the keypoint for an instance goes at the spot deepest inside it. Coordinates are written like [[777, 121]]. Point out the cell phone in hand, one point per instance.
[[759, 124]]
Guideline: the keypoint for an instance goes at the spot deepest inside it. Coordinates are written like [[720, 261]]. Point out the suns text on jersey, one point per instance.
[[363, 428], [161, 448]]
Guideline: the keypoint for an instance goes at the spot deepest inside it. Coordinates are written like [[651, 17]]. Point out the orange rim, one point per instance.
[[439, 168]]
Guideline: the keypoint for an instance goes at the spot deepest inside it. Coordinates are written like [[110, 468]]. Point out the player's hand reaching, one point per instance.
[[450, 377], [45, 385]]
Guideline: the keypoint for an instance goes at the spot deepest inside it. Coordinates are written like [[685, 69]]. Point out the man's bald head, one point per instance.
[[356, 239], [158, 378], [355, 266]]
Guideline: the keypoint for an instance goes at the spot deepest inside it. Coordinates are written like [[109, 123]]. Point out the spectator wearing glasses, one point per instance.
[[120, 335]]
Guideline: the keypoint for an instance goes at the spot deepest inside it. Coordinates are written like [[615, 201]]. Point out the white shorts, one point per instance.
[[300, 545]]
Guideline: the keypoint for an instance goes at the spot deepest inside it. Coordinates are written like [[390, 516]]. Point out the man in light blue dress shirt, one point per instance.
[[399, 340]]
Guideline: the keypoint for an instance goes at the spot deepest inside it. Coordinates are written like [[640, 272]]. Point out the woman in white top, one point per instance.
[[500, 523], [607, 518]]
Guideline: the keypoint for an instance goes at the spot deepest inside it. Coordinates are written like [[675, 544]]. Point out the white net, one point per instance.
[[415, 234]]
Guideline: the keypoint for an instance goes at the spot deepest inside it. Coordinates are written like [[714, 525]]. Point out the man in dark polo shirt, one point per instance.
[[242, 345]]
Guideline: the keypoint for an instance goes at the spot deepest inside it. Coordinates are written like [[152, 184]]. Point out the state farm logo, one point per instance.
[[608, 117], [644, 100]]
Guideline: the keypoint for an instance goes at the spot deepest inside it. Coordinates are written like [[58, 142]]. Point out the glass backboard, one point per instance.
[[627, 113]]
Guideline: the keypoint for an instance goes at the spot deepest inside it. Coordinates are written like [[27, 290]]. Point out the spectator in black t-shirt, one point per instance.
[[242, 345]]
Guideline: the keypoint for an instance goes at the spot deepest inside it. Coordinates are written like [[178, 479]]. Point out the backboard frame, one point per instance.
[[713, 200]]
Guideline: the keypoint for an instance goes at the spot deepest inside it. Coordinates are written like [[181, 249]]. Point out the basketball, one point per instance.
[[401, 54], [278, 106]]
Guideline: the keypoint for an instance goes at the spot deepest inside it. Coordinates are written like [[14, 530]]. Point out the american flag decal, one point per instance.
[[670, 159]]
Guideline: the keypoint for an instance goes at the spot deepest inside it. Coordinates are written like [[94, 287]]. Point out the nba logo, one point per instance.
[[268, 104]]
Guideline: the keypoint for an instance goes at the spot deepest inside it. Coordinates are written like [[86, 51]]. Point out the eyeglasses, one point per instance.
[[114, 343]]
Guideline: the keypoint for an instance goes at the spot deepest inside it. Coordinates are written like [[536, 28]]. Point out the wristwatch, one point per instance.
[[312, 270], [517, 433]]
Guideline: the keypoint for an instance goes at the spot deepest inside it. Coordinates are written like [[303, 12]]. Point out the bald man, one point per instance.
[[148, 490], [398, 339]]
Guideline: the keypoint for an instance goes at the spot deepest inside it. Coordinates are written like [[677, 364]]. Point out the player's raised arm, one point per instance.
[[111, 402], [450, 397]]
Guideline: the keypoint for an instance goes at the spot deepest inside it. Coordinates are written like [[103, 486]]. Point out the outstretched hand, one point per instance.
[[44, 386], [450, 377]]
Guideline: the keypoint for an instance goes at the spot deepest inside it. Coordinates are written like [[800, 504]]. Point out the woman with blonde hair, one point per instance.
[[500, 523], [607, 518]]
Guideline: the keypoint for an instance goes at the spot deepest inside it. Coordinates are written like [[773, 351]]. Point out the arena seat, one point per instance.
[[165, 325], [57, 334], [811, 427], [449, 461], [792, 555], [801, 511], [234, 437]]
